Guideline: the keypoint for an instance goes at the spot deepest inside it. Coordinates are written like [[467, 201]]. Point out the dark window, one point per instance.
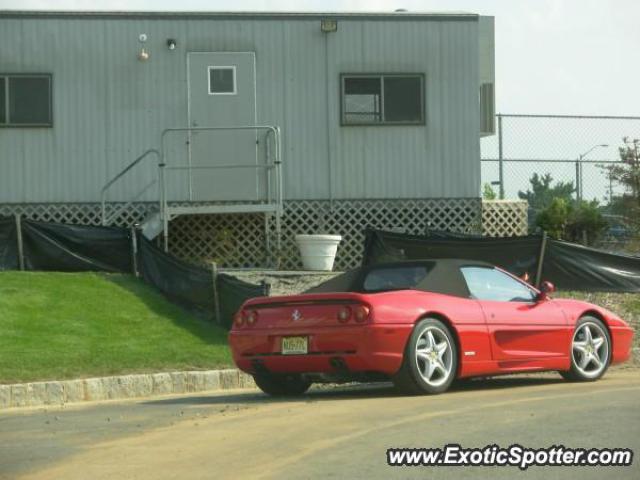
[[362, 100], [222, 80], [394, 278], [487, 109], [491, 284], [29, 100], [3, 102], [382, 99]]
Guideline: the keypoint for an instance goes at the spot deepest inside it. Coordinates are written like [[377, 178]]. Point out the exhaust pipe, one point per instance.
[[258, 366], [339, 364]]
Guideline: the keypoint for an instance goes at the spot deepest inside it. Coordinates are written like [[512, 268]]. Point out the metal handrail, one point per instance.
[[276, 197], [275, 165], [108, 220], [123, 172], [212, 167]]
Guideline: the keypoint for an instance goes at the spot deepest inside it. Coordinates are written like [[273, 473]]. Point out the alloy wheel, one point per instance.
[[433, 356], [590, 349]]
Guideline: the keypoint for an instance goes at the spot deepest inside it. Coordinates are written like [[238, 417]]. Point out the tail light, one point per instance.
[[361, 313], [246, 317], [344, 314], [250, 317]]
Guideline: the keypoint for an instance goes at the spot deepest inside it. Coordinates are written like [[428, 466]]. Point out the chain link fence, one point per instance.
[[573, 150]]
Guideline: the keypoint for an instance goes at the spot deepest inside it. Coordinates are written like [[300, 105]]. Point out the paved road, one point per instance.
[[336, 433]]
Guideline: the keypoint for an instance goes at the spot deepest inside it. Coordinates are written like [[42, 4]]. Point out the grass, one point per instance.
[[74, 325]]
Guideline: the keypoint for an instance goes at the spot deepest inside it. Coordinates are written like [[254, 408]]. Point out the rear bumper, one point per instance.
[[362, 349]]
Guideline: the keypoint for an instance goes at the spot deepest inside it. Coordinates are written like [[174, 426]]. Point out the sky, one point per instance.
[[552, 56]]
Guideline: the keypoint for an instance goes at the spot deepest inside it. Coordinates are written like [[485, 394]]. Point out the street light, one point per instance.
[[579, 169]]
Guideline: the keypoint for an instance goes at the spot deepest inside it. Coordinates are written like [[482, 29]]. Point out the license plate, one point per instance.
[[294, 345]]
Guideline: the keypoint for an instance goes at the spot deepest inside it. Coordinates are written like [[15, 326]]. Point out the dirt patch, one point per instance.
[[284, 283]]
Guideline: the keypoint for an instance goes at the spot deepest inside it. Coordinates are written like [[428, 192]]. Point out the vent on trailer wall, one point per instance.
[[487, 110]]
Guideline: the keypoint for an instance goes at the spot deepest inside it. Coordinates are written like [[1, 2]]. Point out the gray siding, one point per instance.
[[108, 107]]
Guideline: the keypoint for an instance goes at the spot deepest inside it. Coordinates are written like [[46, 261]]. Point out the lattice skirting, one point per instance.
[[239, 240], [504, 218], [77, 213]]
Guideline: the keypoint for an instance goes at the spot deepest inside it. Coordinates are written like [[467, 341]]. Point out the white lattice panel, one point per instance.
[[504, 218], [239, 240], [77, 213]]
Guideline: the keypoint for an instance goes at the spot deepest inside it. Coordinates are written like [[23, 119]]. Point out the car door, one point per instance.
[[521, 327]]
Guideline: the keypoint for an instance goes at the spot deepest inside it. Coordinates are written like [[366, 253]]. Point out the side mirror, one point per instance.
[[546, 288]]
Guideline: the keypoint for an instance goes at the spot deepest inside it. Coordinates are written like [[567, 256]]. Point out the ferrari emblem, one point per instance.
[[296, 315]]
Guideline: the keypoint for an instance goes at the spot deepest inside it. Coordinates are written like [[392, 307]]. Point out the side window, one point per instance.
[[382, 99], [25, 100], [491, 284]]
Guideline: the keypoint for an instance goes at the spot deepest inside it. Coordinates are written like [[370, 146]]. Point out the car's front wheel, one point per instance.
[[430, 359], [590, 351], [281, 385]]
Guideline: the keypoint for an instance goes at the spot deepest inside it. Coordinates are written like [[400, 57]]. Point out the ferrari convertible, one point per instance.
[[422, 324]]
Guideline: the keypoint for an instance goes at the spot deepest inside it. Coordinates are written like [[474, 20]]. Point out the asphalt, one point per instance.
[[341, 432]]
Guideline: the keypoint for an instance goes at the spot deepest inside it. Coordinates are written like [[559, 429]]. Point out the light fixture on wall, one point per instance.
[[328, 25], [143, 54], [171, 43]]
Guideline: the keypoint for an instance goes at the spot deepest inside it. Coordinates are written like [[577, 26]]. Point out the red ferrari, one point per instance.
[[422, 324]]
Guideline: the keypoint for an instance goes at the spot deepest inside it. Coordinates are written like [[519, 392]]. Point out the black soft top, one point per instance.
[[444, 276]]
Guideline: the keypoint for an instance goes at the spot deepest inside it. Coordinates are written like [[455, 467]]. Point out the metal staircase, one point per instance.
[[170, 206]]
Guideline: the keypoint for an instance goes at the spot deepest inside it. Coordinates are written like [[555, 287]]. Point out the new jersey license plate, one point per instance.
[[294, 345]]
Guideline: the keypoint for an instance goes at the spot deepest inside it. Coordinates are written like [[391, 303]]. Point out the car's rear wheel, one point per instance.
[[430, 359], [281, 385], [590, 351]]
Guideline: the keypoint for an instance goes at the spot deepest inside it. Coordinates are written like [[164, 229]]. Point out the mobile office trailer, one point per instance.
[[322, 121]]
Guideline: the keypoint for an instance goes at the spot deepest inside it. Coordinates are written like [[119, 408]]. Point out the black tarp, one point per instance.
[[192, 286], [75, 248], [567, 265], [8, 244], [575, 267], [188, 285], [382, 246]]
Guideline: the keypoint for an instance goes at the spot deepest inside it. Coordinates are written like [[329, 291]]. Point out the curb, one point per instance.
[[38, 394]]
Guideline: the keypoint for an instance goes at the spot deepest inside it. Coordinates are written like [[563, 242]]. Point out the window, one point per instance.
[[394, 278], [222, 80], [487, 109], [491, 284], [25, 100], [382, 99]]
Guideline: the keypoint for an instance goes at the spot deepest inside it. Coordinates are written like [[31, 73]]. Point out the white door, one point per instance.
[[222, 93]]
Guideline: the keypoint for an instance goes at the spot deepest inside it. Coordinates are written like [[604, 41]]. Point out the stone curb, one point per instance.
[[37, 394]]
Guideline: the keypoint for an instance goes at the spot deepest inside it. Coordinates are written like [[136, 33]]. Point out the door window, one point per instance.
[[491, 284], [222, 80]]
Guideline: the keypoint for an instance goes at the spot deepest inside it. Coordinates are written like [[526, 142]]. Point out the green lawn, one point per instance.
[[73, 325]]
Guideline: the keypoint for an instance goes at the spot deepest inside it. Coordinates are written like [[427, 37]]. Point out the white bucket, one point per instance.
[[318, 251]]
